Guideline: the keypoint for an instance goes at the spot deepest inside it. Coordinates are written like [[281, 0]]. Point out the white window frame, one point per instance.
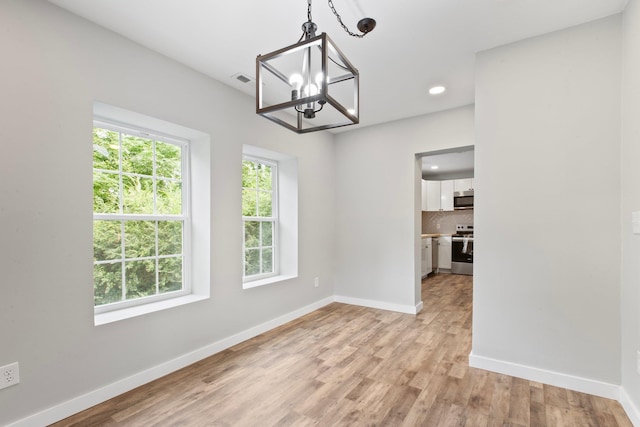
[[185, 217], [274, 218], [287, 235], [198, 278]]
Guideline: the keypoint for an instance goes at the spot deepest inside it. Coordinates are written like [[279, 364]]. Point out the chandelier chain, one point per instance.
[[309, 11], [344, 27]]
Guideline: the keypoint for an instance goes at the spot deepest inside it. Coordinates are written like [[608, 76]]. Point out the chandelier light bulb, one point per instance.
[[310, 90], [295, 81]]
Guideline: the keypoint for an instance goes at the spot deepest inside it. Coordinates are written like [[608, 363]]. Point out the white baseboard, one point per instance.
[[80, 403], [584, 385], [408, 309], [633, 412]]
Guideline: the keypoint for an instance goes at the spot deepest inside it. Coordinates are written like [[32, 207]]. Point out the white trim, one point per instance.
[[170, 301], [408, 309], [80, 403], [267, 281], [558, 379], [122, 307], [286, 234], [274, 219], [633, 412], [198, 249], [133, 130]]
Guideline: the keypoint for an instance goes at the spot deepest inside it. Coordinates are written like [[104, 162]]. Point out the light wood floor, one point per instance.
[[346, 365]]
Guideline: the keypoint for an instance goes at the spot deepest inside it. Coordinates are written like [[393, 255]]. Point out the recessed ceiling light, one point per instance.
[[437, 90], [434, 167]]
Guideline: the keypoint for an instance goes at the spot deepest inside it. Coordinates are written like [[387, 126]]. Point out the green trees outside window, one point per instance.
[[139, 217], [259, 217]]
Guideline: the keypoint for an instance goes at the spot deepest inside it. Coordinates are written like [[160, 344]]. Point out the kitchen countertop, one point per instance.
[[436, 235]]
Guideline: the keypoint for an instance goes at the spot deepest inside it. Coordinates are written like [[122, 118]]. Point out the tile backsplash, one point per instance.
[[446, 219]]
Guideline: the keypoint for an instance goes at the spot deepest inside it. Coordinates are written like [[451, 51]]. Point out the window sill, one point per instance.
[[267, 281], [140, 310]]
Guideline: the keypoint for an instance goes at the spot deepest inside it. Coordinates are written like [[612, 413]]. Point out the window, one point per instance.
[[152, 240], [141, 222], [269, 216], [259, 217]]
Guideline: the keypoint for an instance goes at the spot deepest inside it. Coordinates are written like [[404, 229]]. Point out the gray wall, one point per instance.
[[54, 65], [547, 217], [631, 202], [378, 221]]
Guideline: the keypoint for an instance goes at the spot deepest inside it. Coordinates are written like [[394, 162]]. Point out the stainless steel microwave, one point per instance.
[[463, 200]]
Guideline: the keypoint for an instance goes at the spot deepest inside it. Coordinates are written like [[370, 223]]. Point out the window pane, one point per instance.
[[168, 160], [248, 174], [249, 203], [169, 197], [107, 283], [106, 195], [267, 261], [106, 147], [264, 177], [137, 155], [251, 234], [251, 262], [140, 278], [170, 274], [107, 240], [169, 237], [264, 201], [138, 195], [140, 239], [267, 233]]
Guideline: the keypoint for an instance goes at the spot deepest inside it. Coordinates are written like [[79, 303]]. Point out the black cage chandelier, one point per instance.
[[310, 85]]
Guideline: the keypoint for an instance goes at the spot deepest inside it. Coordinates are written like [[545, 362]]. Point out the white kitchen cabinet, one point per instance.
[[437, 196], [432, 190], [426, 252], [446, 195], [425, 195], [465, 184], [444, 252]]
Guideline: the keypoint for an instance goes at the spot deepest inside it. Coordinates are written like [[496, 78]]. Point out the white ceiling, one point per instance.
[[416, 44], [452, 164]]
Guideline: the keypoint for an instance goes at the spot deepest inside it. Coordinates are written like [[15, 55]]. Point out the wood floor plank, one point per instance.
[[499, 407], [404, 400], [352, 366], [476, 419], [481, 394], [424, 402], [519, 403]]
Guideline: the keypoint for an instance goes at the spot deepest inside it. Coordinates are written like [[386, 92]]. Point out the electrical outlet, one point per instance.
[[9, 375], [437, 226], [316, 282]]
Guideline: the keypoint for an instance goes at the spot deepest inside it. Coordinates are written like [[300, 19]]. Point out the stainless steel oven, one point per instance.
[[462, 250]]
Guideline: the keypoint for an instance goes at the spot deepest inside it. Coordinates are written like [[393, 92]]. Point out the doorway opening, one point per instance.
[[445, 212]]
